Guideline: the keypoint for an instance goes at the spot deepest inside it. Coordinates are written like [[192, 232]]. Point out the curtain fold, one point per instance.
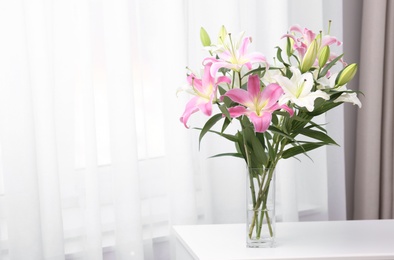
[[373, 191], [44, 128], [387, 182], [119, 47], [21, 183]]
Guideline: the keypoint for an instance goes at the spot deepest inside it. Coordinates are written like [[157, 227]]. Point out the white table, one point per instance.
[[367, 239]]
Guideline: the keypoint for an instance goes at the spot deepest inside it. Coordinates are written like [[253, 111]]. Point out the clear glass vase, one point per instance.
[[260, 225]]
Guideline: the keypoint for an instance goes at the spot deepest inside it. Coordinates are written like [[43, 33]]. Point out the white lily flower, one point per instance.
[[225, 42], [298, 89], [270, 76], [349, 97]]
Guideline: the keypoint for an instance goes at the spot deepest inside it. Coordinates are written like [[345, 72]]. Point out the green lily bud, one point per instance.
[[222, 34], [346, 74], [310, 57], [204, 37], [289, 46], [318, 37], [324, 55]]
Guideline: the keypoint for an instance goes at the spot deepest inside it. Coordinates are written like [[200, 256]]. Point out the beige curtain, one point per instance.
[[374, 173]]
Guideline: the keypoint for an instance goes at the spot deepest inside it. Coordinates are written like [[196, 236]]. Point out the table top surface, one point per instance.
[[365, 239]]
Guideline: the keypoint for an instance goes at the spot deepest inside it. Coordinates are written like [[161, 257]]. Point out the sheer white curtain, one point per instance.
[[94, 163]]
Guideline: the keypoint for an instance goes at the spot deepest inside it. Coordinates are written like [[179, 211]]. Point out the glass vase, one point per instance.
[[260, 224]]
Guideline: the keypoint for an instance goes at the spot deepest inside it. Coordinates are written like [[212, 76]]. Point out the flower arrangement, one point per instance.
[[273, 104]]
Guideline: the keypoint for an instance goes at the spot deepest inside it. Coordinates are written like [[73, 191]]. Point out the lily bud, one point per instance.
[[289, 46], [346, 74], [204, 37], [310, 57], [222, 34], [324, 55]]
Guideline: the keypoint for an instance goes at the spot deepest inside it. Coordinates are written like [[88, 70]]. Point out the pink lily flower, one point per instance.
[[234, 58], [205, 93], [257, 104], [302, 42]]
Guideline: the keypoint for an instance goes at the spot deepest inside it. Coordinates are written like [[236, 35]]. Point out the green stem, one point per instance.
[[253, 194], [262, 197], [264, 178], [232, 82], [252, 188], [263, 210], [239, 79], [269, 223], [260, 226]]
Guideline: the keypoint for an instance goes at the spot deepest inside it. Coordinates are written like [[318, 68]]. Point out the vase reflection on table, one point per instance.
[[273, 104]]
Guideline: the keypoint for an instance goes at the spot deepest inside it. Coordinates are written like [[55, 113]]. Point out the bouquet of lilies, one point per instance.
[[273, 104]]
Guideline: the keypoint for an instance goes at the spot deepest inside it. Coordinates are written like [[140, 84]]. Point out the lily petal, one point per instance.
[[288, 109], [207, 78], [221, 64], [271, 93], [191, 107], [194, 81], [288, 35], [261, 123], [244, 46], [255, 57], [350, 98], [240, 96], [307, 85], [237, 111], [254, 86], [296, 28], [287, 85], [309, 101], [329, 40], [309, 35], [223, 79], [206, 108]]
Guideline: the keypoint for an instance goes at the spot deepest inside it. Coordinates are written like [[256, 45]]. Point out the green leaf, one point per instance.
[[258, 151], [329, 65], [314, 125], [227, 101], [281, 113], [291, 152], [279, 55], [208, 125], [238, 155], [229, 137], [254, 71], [245, 122], [225, 112], [324, 108], [255, 149], [271, 151], [226, 123], [239, 145], [317, 135], [276, 130], [289, 46], [222, 91], [261, 138], [274, 119], [336, 94]]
